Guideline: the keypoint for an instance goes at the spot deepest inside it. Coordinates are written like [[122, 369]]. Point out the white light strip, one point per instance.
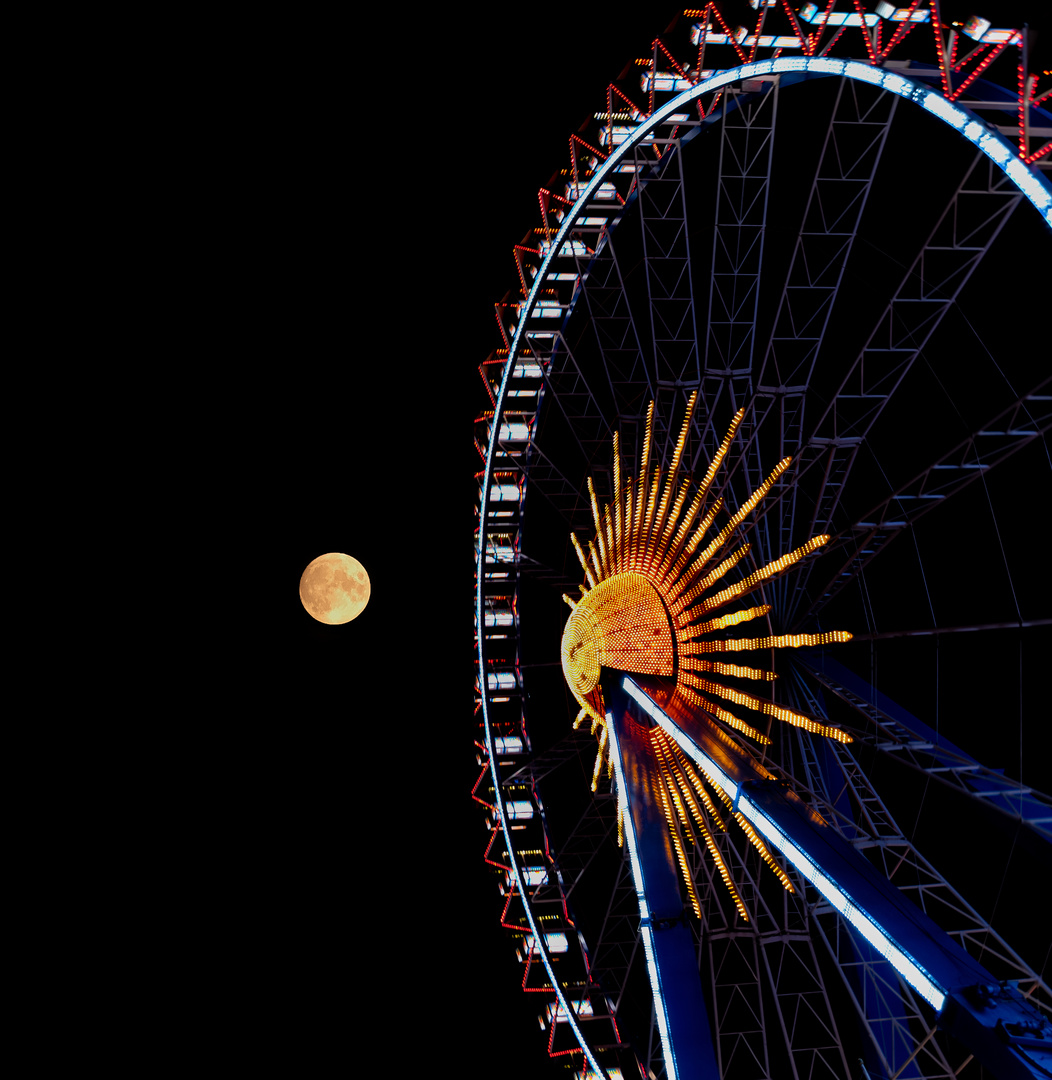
[[875, 934], [901, 961], [713, 773], [630, 832], [660, 1014], [645, 930]]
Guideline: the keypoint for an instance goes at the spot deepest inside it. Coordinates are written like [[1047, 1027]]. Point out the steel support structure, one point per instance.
[[665, 238], [740, 957], [747, 137], [885, 726], [1027, 419], [975, 215], [851, 155], [766, 978]]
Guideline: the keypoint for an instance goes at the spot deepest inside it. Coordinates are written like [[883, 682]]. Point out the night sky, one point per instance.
[[391, 173]]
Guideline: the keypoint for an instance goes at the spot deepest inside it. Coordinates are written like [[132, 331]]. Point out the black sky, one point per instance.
[[394, 163]]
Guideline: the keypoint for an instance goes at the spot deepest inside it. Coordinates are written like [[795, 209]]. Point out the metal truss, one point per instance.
[[573, 746], [999, 438], [747, 131], [872, 829], [670, 287], [901, 1028], [570, 390], [617, 336], [975, 215], [900, 1032], [851, 155], [617, 955], [593, 831], [610, 955], [892, 735], [768, 997], [545, 478]]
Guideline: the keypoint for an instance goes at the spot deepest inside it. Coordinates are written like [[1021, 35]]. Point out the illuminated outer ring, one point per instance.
[[1029, 182]]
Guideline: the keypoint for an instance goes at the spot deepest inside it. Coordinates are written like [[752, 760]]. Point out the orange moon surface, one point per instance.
[[334, 588]]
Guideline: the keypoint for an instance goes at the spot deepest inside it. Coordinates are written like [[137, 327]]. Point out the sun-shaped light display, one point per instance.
[[653, 605]]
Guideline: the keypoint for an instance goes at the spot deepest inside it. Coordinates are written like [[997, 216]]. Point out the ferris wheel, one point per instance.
[[757, 608]]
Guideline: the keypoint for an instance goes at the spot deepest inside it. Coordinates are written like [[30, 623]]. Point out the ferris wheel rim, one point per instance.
[[1031, 184], [1025, 179], [991, 143]]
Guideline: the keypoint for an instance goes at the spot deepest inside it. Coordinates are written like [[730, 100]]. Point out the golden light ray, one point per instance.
[[595, 561], [769, 708], [686, 791], [778, 641], [714, 708], [602, 756], [647, 588], [754, 580], [721, 622], [688, 770], [608, 522], [665, 792], [582, 559], [668, 568], [743, 512], [660, 745], [598, 530], [735, 669], [673, 471], [617, 495], [765, 854], [669, 528], [713, 576]]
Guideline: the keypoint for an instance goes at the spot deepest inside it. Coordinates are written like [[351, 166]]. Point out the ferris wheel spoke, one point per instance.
[[571, 389], [889, 1011], [889, 729], [884, 844], [670, 286], [1027, 419], [616, 332], [747, 137], [952, 935], [975, 215], [843, 179], [667, 941], [972, 220], [750, 965], [882, 1003]]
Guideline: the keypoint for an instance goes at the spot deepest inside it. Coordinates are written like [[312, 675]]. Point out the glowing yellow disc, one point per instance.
[[622, 623]]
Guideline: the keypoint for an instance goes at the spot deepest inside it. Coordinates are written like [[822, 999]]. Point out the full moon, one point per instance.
[[334, 588]]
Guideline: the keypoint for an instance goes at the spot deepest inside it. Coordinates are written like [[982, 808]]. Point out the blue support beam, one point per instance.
[[897, 732], [992, 1020], [671, 952]]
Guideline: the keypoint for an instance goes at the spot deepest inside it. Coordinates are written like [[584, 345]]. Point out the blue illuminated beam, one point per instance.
[[668, 943], [924, 956], [843, 877]]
